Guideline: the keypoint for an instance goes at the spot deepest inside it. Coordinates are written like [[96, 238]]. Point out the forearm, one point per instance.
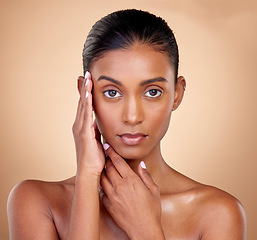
[[84, 218]]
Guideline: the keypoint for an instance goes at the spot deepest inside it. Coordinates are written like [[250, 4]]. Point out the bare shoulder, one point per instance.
[[40, 192], [207, 211], [222, 215], [219, 214], [31, 204]]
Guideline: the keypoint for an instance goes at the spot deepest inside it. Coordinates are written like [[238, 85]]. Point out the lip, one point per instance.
[[132, 138]]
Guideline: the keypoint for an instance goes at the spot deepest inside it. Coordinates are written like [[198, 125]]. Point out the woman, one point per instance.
[[124, 189]]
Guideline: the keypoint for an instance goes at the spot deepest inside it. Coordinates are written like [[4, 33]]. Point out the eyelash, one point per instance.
[[159, 93], [111, 90], [107, 92]]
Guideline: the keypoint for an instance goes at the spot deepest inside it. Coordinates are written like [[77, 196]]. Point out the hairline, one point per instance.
[[130, 46]]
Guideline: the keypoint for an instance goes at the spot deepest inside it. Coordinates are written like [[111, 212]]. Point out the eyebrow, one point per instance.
[[145, 82]]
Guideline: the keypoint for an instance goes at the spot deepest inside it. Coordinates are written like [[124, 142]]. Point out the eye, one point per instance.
[[112, 93], [153, 93]]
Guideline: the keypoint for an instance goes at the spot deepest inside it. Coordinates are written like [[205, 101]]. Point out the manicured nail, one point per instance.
[[106, 146], [86, 82], [87, 74], [86, 94], [142, 163]]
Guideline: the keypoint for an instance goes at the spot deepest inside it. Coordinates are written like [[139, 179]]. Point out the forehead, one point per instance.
[[139, 62]]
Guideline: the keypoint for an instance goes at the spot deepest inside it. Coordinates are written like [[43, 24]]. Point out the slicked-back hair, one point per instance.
[[122, 29]]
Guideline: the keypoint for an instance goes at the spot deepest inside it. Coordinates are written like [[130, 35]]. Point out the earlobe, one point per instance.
[[179, 92]]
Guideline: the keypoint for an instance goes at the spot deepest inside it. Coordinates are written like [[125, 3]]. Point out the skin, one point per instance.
[[135, 203]]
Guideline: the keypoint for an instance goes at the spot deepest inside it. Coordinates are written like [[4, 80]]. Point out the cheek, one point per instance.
[[159, 118], [105, 118], [156, 117]]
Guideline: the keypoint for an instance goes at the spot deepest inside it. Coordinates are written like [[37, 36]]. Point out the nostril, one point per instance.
[[133, 112], [133, 122]]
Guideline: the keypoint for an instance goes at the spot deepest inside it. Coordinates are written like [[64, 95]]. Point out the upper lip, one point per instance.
[[133, 135]]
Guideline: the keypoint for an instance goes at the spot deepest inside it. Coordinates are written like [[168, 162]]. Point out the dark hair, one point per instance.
[[121, 29]]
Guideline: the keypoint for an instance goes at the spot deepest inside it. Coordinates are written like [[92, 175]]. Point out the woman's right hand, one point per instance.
[[89, 150]]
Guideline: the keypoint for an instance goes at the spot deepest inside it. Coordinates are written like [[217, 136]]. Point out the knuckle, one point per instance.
[[83, 134], [75, 133], [74, 128], [117, 189]]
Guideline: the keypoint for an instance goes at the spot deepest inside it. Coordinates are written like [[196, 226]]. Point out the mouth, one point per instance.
[[132, 138]]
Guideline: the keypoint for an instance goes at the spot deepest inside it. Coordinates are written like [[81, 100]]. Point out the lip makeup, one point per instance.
[[132, 139]]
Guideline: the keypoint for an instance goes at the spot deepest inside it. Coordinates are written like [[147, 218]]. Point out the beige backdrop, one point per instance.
[[213, 134]]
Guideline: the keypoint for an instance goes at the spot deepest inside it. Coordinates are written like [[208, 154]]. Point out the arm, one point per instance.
[[29, 213], [84, 218]]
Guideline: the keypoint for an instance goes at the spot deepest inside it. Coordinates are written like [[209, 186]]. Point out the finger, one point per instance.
[[88, 99], [77, 121], [105, 183], [112, 173], [87, 110], [106, 202], [118, 162], [81, 80], [97, 133], [146, 178]]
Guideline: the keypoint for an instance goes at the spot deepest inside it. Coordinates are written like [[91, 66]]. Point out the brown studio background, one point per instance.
[[213, 134]]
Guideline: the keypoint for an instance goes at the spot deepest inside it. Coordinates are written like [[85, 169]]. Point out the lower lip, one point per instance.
[[132, 140]]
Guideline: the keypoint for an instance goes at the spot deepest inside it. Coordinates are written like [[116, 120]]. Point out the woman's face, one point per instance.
[[133, 97]]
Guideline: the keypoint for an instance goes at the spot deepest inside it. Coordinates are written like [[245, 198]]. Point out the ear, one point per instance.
[[81, 81], [179, 92]]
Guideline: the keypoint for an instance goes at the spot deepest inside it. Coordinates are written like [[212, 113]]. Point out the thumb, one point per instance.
[[146, 177]]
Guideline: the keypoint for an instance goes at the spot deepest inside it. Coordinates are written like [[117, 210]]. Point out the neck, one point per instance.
[[154, 162]]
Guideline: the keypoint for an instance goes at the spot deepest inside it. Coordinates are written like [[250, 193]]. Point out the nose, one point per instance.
[[133, 112]]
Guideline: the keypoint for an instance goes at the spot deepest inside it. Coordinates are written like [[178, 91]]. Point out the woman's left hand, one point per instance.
[[133, 201]]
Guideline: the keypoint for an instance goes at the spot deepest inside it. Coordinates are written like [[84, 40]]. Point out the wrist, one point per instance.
[[88, 175], [87, 171]]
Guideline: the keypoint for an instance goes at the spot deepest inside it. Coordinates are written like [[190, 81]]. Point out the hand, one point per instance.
[[89, 150], [133, 201]]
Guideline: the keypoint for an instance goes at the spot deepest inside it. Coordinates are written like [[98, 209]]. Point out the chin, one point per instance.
[[132, 152]]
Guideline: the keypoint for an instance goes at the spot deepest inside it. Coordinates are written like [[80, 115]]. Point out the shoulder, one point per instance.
[[208, 202], [36, 191], [30, 205], [26, 192], [221, 215], [215, 213]]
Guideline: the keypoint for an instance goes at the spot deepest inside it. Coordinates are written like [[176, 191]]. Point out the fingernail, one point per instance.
[[86, 94], [87, 74], [142, 164], [106, 146], [86, 82]]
